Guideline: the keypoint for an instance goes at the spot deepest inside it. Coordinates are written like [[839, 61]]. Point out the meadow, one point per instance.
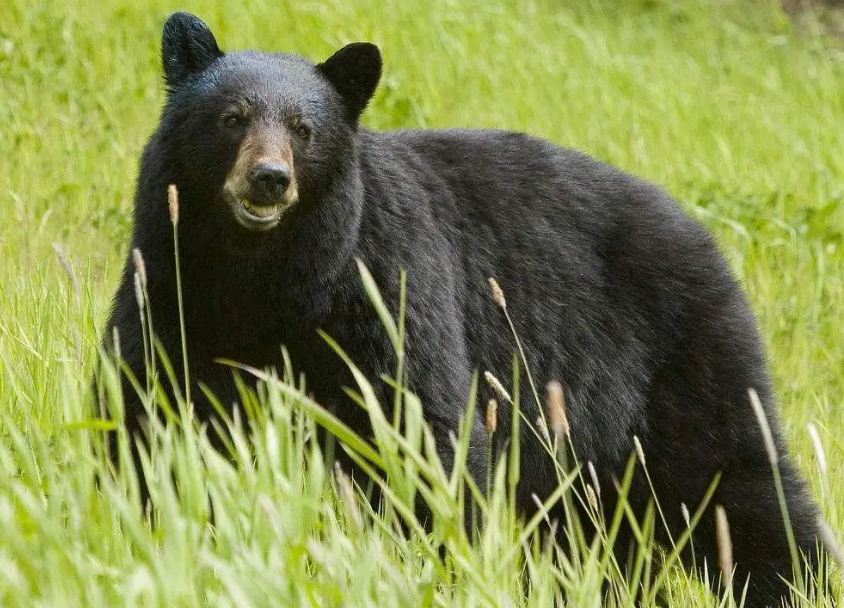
[[732, 106]]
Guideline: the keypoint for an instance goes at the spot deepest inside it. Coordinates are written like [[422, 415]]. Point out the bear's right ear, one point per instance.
[[187, 47]]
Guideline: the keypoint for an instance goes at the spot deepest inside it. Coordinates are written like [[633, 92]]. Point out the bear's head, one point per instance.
[[258, 137]]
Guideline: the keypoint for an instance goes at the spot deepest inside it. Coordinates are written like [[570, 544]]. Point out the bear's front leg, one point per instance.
[[439, 373]]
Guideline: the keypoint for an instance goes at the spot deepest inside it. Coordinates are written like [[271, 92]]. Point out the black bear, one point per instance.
[[613, 290]]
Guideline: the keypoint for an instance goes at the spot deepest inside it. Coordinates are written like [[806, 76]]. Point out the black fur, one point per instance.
[[614, 290]]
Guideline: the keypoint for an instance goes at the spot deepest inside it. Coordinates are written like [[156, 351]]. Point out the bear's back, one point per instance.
[[606, 277], [516, 200]]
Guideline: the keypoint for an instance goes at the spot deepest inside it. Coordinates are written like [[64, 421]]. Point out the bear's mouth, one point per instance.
[[257, 217], [260, 212]]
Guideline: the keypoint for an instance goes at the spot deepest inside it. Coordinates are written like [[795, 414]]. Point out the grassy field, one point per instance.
[[729, 105]]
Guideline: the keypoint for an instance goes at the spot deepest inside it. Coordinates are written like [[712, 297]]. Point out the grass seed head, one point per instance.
[[140, 265], [499, 389], [767, 436], [725, 545], [173, 203], [497, 294], [115, 342], [830, 543], [594, 475], [541, 507], [639, 451], [139, 292], [817, 446], [557, 410], [492, 416], [591, 496], [543, 429]]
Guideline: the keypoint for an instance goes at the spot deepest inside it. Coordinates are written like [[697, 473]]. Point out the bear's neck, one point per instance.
[[247, 283]]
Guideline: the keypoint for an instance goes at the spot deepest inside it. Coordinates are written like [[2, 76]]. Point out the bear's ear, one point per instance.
[[354, 71], [187, 47]]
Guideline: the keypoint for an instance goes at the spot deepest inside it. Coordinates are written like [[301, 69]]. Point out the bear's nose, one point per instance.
[[271, 178]]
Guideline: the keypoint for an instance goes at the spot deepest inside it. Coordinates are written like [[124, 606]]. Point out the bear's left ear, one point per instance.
[[354, 71], [187, 47]]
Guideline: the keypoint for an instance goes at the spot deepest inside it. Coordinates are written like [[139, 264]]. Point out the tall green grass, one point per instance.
[[729, 105]]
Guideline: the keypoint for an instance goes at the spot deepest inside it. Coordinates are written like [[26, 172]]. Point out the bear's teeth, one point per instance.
[[262, 211]]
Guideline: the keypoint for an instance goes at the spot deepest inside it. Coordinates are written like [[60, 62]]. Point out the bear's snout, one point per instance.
[[269, 182]]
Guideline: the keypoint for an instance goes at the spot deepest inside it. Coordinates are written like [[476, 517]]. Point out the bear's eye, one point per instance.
[[302, 130], [231, 120]]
